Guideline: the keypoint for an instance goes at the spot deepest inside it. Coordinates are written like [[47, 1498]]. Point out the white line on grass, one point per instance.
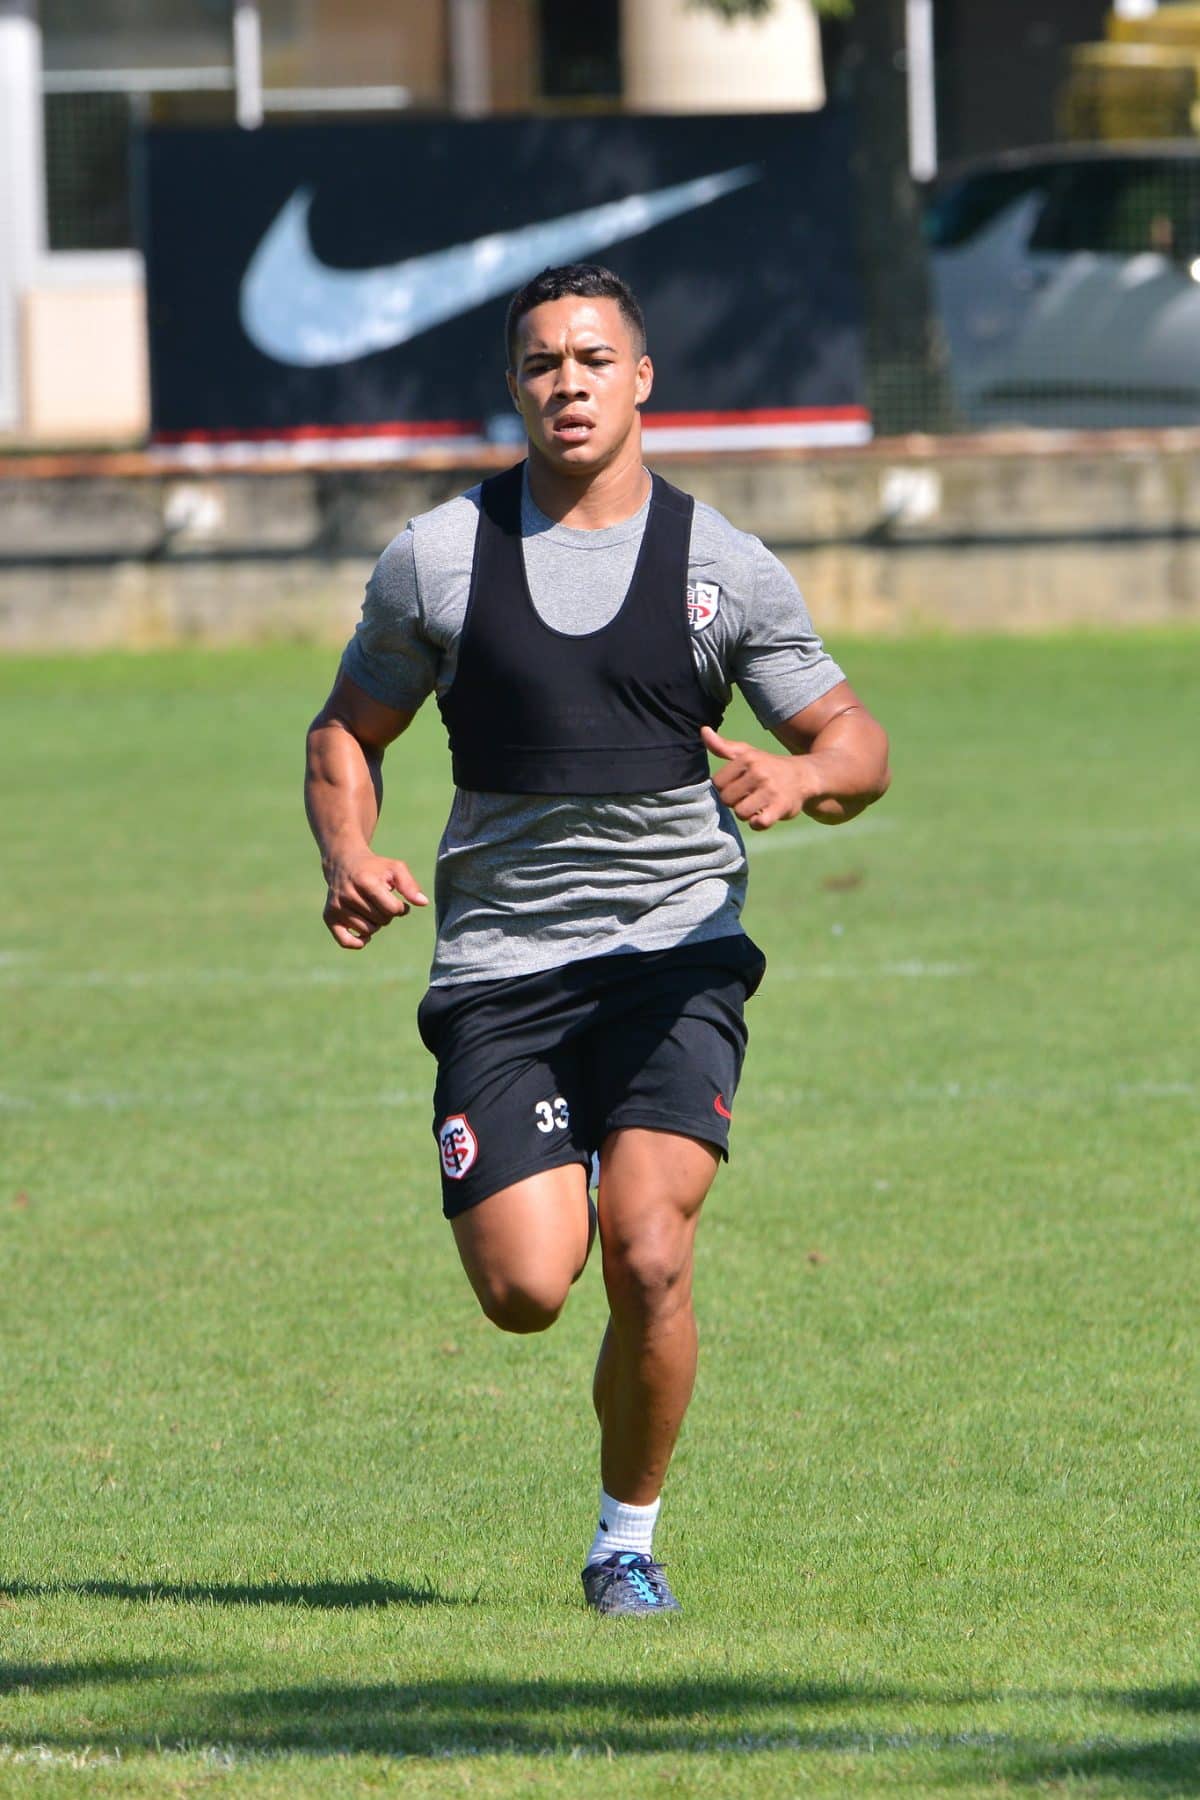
[[391, 974], [794, 836], [1084, 1093], [44, 1756], [912, 969], [817, 1741], [318, 976], [232, 1103], [246, 1102]]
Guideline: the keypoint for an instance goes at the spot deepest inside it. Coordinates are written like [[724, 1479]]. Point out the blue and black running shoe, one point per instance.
[[628, 1582]]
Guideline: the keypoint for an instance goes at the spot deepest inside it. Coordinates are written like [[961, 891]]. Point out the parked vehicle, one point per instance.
[[1068, 282]]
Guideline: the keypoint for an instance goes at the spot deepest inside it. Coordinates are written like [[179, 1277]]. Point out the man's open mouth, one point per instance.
[[572, 426]]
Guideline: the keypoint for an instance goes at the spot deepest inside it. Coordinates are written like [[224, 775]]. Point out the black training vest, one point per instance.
[[532, 710]]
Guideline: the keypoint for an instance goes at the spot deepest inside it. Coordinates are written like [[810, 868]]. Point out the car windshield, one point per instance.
[[1124, 207]]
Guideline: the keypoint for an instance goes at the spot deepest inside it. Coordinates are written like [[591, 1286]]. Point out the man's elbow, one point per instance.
[[839, 809], [878, 787], [881, 776]]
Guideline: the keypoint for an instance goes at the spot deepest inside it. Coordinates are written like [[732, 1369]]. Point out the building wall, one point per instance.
[[364, 43], [1000, 67], [84, 360], [513, 55], [678, 59]]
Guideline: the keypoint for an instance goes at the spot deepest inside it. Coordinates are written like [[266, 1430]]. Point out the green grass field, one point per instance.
[[283, 1516]]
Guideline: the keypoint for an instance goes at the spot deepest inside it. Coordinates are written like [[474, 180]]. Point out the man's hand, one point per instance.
[[366, 893], [343, 787], [836, 766], [760, 786]]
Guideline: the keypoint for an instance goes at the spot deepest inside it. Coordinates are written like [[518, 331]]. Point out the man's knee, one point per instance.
[[520, 1305], [649, 1276]]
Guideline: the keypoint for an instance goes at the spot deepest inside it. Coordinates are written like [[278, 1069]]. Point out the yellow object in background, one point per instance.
[[1115, 92], [1142, 82], [1172, 26]]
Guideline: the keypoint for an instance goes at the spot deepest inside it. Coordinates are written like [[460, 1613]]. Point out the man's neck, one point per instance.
[[608, 496]]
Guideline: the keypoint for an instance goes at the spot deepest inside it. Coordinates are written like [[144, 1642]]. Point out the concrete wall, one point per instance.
[[969, 535]]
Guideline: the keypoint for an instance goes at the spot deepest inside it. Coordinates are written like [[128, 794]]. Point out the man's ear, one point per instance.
[[511, 379], [644, 380]]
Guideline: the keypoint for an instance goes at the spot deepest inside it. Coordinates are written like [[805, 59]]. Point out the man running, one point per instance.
[[581, 623]]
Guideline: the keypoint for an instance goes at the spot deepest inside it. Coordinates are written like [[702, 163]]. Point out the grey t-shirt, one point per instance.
[[527, 882]]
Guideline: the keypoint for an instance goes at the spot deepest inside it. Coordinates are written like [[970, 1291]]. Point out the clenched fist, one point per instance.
[[760, 786], [366, 893]]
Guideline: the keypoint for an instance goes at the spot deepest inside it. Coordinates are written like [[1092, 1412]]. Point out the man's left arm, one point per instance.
[[836, 766]]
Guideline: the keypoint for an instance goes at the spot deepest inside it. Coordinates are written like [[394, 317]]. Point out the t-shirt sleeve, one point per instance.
[[390, 657], [780, 663]]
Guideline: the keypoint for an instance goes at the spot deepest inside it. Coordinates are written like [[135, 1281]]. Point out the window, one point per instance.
[[1122, 206], [957, 212], [105, 63], [580, 49]]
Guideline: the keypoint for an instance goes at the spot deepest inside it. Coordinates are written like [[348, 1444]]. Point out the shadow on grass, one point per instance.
[[321, 1595], [1164, 1700], [473, 1716], [45, 1678]]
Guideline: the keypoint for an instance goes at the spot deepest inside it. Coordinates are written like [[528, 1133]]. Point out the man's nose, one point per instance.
[[571, 377]]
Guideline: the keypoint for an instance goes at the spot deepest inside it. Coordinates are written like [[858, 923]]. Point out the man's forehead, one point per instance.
[[547, 326]]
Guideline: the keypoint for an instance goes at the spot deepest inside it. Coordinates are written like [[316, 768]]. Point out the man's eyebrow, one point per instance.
[[534, 350]]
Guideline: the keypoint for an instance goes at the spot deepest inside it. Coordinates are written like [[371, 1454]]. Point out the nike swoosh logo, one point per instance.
[[299, 311], [719, 1106]]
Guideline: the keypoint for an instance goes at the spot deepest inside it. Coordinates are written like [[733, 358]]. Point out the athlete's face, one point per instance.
[[578, 382]]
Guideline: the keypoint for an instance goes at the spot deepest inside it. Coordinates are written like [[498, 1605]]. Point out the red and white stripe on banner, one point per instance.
[[778, 428], [765, 429]]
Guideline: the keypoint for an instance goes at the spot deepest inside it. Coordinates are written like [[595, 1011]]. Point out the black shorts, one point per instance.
[[534, 1072]]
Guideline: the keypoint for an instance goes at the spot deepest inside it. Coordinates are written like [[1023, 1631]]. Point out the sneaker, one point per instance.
[[628, 1582]]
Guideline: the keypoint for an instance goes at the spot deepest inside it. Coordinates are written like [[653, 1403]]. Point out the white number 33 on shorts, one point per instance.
[[552, 1115]]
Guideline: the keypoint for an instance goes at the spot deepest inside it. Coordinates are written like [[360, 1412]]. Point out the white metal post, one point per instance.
[[922, 108], [22, 187], [247, 63], [470, 72]]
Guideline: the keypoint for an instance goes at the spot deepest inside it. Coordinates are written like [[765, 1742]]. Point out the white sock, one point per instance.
[[623, 1527]]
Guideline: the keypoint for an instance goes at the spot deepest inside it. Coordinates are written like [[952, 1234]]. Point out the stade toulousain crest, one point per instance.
[[703, 603], [459, 1146], [350, 280]]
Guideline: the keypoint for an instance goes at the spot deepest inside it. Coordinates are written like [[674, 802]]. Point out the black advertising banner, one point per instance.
[[351, 280]]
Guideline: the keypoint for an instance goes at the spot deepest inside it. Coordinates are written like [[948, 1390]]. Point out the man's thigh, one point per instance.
[[667, 1055], [652, 1186], [524, 1246], [509, 1099]]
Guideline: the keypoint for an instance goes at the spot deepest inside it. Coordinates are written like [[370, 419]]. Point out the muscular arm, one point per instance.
[[836, 767], [343, 792]]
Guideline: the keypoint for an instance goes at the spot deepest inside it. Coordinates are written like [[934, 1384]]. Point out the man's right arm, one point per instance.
[[343, 791]]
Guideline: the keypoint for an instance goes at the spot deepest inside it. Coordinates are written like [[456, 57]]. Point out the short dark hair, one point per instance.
[[591, 282]]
